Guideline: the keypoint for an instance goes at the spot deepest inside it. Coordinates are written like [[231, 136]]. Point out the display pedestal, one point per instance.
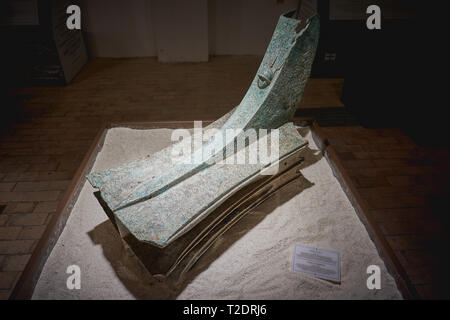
[[251, 261]]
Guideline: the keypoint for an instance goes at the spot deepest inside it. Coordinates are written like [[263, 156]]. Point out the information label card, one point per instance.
[[321, 263]]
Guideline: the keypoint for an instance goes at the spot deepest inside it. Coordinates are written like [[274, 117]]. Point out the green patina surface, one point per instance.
[[163, 218], [151, 196]]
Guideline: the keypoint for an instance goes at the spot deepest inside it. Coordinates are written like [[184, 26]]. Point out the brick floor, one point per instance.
[[407, 190]]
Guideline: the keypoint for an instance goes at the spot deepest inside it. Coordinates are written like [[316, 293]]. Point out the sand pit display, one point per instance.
[[252, 260]]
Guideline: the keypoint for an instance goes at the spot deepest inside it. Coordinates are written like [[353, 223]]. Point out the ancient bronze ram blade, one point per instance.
[[173, 261], [154, 202]]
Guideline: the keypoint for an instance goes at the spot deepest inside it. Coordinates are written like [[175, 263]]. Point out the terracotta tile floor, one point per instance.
[[54, 126], [407, 191]]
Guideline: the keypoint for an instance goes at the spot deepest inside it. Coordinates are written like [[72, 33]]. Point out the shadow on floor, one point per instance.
[[438, 245], [142, 285]]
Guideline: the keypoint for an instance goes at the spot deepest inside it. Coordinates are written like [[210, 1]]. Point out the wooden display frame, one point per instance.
[[25, 286]]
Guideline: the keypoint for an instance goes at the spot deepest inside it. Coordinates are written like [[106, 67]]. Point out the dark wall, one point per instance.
[[22, 44], [395, 76]]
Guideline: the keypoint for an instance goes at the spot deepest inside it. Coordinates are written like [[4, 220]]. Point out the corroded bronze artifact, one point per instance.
[[169, 214]]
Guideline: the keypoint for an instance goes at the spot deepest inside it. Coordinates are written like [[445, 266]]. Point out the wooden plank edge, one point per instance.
[[157, 124], [24, 288], [385, 251]]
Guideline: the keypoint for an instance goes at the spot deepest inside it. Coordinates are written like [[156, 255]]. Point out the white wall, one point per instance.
[[244, 27], [118, 28], [183, 29]]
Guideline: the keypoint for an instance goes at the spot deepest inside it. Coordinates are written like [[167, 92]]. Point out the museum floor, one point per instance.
[[401, 184]]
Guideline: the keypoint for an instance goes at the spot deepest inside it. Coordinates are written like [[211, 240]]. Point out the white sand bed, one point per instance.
[[252, 260]]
